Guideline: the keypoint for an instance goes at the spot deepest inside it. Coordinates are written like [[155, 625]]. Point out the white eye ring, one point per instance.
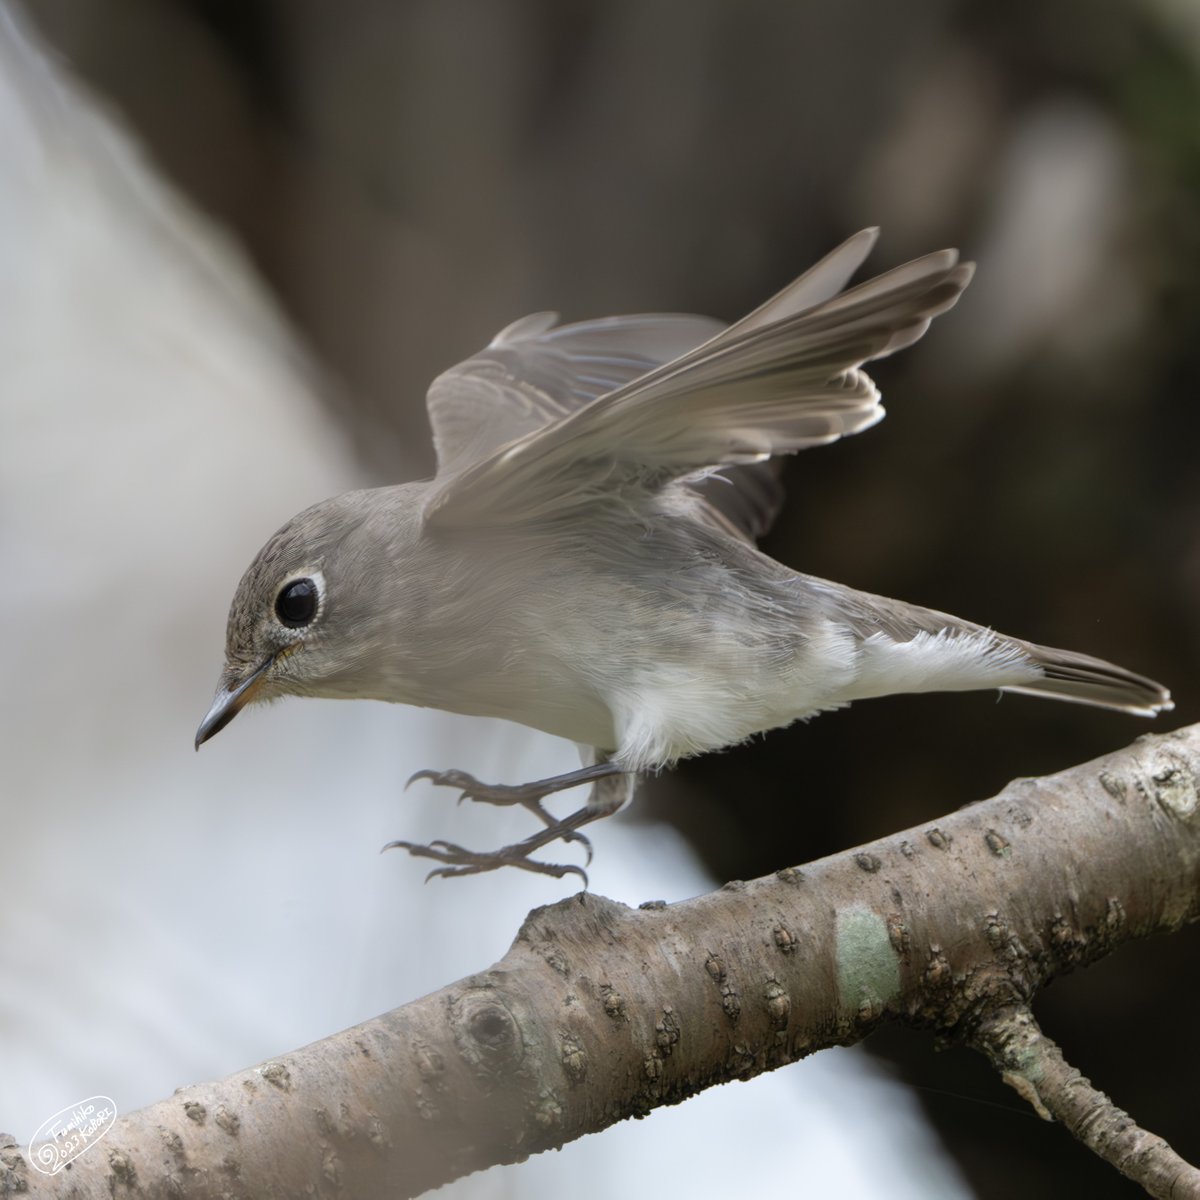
[[300, 599]]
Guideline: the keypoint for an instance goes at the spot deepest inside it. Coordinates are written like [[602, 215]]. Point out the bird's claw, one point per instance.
[[461, 861], [504, 795], [486, 793], [458, 860], [441, 778]]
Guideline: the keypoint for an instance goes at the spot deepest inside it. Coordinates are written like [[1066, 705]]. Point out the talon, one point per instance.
[[457, 860], [444, 779], [573, 835], [411, 847], [460, 861]]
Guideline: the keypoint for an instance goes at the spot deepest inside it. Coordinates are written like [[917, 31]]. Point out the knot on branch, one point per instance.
[[487, 1034]]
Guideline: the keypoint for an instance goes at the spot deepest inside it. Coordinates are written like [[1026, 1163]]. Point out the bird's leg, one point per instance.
[[461, 861]]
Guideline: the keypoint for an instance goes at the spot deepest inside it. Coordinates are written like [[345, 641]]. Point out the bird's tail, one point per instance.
[[906, 648], [1067, 675]]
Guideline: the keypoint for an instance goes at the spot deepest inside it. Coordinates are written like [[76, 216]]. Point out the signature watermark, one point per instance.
[[67, 1134]]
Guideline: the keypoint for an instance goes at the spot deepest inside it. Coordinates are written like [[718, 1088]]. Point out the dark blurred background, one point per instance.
[[410, 177]]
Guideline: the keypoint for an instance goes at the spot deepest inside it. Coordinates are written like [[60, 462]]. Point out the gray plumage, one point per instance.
[[584, 561]]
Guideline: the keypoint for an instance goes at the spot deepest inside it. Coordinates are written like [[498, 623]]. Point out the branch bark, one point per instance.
[[1034, 1066], [599, 1012]]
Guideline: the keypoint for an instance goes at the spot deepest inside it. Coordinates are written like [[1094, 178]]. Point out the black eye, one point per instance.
[[296, 604]]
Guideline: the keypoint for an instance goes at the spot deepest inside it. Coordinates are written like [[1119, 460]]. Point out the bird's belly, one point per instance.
[[727, 692]]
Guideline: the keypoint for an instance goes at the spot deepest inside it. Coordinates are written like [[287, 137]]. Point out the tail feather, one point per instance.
[[1085, 680]]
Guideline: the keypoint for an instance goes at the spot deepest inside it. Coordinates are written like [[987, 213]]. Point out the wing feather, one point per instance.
[[533, 374], [780, 380]]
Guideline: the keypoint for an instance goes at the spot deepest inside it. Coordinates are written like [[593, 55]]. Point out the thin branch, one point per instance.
[[599, 1012], [1034, 1066]]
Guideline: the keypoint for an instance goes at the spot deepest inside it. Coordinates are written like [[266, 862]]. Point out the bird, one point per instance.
[[584, 560]]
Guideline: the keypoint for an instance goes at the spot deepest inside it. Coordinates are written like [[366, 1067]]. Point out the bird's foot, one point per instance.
[[461, 861], [528, 795], [502, 794]]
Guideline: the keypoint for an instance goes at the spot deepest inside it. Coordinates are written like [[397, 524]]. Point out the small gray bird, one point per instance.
[[584, 560]]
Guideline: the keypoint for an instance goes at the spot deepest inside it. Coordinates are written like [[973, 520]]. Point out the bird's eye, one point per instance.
[[296, 604]]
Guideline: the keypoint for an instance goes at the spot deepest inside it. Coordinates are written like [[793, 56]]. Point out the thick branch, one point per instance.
[[599, 1012]]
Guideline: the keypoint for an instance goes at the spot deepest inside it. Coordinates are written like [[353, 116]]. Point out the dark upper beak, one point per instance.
[[229, 701]]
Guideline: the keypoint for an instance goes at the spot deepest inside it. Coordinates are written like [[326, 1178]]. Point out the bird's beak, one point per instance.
[[230, 699]]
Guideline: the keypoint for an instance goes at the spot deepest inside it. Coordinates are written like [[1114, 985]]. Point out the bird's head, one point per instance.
[[293, 619]]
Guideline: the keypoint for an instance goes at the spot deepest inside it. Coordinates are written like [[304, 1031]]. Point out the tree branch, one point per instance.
[[1034, 1066], [600, 1012]]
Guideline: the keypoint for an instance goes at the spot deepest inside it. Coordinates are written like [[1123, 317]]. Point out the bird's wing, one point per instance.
[[534, 373], [785, 377]]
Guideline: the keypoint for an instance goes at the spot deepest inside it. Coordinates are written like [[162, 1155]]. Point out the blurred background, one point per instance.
[[405, 179]]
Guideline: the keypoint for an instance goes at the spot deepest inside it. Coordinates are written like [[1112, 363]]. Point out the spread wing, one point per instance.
[[533, 374], [782, 378]]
